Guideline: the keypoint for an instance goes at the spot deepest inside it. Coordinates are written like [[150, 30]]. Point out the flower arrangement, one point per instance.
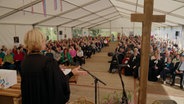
[[115, 98]]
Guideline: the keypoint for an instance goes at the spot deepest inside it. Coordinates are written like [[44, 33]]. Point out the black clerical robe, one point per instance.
[[42, 81]]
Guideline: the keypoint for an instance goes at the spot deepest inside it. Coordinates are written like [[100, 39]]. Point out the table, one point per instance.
[[12, 95]]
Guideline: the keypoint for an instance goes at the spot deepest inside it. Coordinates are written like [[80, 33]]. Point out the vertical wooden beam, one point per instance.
[[147, 18], [145, 49]]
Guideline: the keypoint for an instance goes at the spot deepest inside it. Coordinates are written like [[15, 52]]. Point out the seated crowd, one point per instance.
[[165, 59], [68, 52]]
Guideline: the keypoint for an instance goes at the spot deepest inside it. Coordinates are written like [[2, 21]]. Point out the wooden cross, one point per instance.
[[147, 18]]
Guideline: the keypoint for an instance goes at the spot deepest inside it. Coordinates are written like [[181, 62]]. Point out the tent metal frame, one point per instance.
[[20, 9], [60, 14], [84, 16], [116, 7]]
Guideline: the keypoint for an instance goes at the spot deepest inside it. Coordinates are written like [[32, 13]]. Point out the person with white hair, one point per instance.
[[42, 80]]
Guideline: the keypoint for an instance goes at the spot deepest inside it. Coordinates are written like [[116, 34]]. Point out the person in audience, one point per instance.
[[4, 48], [1, 58], [8, 62], [118, 47], [57, 53], [80, 56], [49, 53], [118, 36], [89, 50], [106, 42], [179, 71], [125, 61], [126, 58], [66, 57], [73, 53], [18, 57], [165, 56], [93, 45], [176, 59], [121, 55], [112, 37], [117, 60], [2, 54], [133, 64], [151, 51], [14, 50], [136, 62], [42, 80], [84, 48], [129, 50], [155, 67], [98, 46], [168, 69]]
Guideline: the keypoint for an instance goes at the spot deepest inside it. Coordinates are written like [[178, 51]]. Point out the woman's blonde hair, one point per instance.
[[33, 40]]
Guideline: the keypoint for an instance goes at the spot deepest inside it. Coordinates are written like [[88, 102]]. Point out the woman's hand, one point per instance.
[[77, 72]]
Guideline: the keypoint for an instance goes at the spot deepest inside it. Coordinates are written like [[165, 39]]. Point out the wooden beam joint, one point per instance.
[[137, 17]]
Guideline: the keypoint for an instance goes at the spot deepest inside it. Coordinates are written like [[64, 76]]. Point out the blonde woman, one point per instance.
[[42, 81]]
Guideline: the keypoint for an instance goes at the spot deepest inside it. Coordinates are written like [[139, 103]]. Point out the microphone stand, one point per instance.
[[95, 81], [124, 95]]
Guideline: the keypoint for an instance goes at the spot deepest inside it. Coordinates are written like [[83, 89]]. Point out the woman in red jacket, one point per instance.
[[18, 57]]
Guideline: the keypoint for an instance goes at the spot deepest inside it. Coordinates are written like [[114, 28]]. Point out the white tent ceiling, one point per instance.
[[87, 13]]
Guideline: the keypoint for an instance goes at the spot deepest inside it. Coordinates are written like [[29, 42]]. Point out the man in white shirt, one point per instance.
[[179, 71], [80, 56]]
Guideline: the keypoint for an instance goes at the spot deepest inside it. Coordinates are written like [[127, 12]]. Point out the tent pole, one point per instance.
[[57, 32], [182, 35], [110, 28]]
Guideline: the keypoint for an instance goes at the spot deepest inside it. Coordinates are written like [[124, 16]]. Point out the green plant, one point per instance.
[[129, 95], [94, 32], [115, 98], [76, 32]]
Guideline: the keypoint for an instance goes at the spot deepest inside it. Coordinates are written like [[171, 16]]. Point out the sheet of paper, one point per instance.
[[7, 78], [66, 71]]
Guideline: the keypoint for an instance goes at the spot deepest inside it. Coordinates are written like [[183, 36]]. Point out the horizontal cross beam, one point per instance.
[[141, 17]]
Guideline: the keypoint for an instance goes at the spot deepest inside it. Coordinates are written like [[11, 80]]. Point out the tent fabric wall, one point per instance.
[[65, 30], [163, 31], [83, 14], [7, 32], [85, 32], [76, 13], [170, 33]]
